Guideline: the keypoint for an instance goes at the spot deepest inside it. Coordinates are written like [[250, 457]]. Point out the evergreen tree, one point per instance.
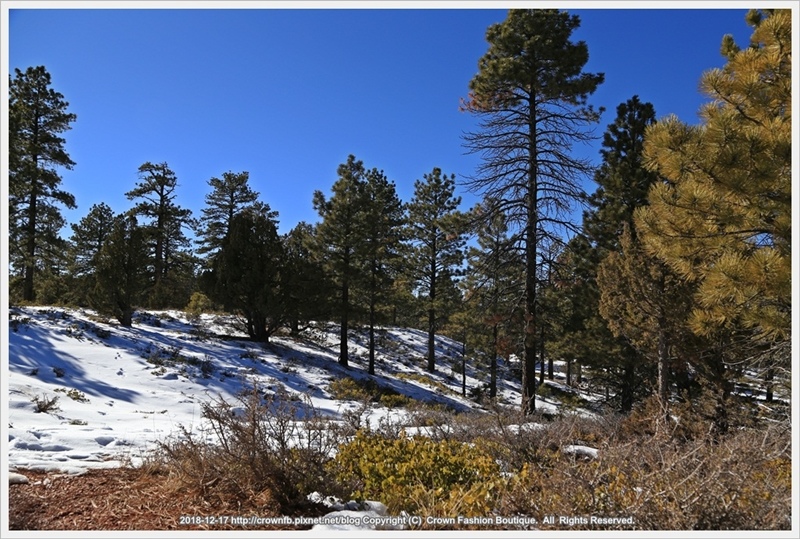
[[88, 236], [722, 218], [339, 237], [436, 232], [156, 194], [306, 285], [643, 301], [622, 183], [530, 93], [229, 196], [246, 273], [381, 221], [121, 279], [52, 285], [494, 287], [37, 115]]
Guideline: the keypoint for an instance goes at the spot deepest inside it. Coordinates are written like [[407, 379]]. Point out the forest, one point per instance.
[[672, 295]]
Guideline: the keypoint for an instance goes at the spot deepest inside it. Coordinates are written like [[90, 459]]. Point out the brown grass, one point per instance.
[[121, 499]]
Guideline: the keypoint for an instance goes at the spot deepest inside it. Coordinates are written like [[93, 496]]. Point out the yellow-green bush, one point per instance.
[[198, 304], [349, 389], [395, 401], [366, 390], [417, 474]]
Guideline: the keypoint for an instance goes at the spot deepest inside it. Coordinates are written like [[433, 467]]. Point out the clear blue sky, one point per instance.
[[287, 94]]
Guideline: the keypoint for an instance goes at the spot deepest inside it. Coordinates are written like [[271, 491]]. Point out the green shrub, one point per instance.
[[74, 394], [348, 389], [198, 304], [366, 390], [418, 474], [395, 401]]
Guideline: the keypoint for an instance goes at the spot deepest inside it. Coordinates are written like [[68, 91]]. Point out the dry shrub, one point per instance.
[[740, 481], [257, 454]]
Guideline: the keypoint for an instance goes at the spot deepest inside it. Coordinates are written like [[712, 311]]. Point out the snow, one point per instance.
[[581, 451], [122, 390]]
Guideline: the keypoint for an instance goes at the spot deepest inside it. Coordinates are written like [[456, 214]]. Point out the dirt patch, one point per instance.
[[127, 499]]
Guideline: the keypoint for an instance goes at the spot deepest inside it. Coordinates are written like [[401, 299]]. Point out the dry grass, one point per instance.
[[117, 499], [665, 475]]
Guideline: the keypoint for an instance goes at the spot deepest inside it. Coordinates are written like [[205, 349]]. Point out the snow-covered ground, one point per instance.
[[116, 391]]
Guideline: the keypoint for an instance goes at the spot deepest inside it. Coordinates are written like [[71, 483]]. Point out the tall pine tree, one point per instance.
[[531, 96], [230, 195], [339, 238], [37, 115], [121, 279], [494, 287], [722, 218], [436, 233], [88, 236], [381, 221], [306, 285], [245, 275], [156, 196], [622, 186]]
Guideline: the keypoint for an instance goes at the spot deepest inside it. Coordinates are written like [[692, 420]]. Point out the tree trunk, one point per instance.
[[626, 397], [126, 318], [493, 366], [569, 372], [663, 370], [30, 247], [371, 368], [768, 377], [531, 247], [343, 358], [432, 319]]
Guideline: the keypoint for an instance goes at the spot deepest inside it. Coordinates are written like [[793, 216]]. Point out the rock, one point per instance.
[[17, 479]]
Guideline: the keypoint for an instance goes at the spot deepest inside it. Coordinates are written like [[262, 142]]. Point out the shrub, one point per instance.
[[260, 455], [395, 401], [199, 304], [418, 474], [365, 390], [665, 484], [74, 394], [45, 404]]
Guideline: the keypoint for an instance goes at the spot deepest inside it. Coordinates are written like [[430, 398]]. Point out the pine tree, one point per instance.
[[339, 238], [722, 218], [494, 287], [121, 279], [647, 304], [156, 192], [436, 233], [381, 221], [306, 285], [530, 93], [229, 196], [246, 273], [88, 236], [37, 115], [622, 183]]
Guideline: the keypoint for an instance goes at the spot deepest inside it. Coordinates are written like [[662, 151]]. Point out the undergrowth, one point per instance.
[[651, 474]]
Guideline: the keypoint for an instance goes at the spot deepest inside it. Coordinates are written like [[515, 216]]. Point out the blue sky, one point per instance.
[[287, 94]]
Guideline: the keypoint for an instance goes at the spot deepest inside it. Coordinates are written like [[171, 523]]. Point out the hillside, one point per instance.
[[118, 389], [88, 399]]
